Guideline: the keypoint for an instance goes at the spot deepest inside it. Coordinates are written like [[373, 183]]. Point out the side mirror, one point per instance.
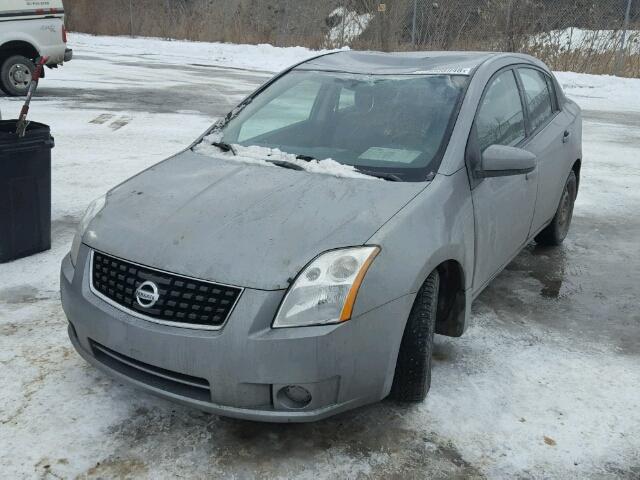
[[502, 161]]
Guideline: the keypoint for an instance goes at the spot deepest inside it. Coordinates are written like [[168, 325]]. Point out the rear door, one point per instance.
[[503, 206], [549, 130]]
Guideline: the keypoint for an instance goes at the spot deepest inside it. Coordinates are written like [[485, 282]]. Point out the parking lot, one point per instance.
[[544, 384]]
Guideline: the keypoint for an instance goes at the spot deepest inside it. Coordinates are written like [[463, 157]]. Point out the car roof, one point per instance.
[[367, 62], [398, 62]]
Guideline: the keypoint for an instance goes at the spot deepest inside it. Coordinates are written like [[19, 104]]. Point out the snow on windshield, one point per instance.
[[265, 156]]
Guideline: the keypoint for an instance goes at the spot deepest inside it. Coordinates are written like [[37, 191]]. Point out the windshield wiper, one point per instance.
[[225, 147], [390, 177], [285, 164]]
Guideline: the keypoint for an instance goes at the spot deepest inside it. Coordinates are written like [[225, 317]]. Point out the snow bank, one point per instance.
[[601, 92], [572, 40], [350, 26], [255, 155], [254, 57]]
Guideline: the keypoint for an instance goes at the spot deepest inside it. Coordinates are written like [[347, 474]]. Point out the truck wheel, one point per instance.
[[555, 233], [15, 75], [412, 378]]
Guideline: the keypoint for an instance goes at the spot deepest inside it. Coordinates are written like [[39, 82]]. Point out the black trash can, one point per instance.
[[25, 190]]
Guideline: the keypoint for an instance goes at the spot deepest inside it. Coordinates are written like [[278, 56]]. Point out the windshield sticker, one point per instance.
[[444, 70], [390, 155]]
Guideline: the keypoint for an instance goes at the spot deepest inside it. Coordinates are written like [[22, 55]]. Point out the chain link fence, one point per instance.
[[598, 36], [594, 36]]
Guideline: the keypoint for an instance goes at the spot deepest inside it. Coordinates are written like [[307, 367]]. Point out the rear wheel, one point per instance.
[[15, 75], [412, 377], [556, 231]]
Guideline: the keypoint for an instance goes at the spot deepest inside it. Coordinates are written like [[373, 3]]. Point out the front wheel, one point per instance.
[[412, 378], [555, 233], [15, 75]]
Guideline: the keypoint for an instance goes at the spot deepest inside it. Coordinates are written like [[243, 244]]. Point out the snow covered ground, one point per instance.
[[544, 384], [254, 57]]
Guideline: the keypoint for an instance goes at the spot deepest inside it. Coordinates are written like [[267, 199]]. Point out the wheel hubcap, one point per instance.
[[20, 76]]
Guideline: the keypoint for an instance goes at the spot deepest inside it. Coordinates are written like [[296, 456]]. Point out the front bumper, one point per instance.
[[239, 371]]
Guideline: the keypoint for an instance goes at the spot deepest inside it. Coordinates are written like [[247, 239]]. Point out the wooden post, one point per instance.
[[625, 27], [383, 15]]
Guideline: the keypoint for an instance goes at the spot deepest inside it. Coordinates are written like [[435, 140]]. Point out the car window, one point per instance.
[[536, 92], [292, 107], [500, 119]]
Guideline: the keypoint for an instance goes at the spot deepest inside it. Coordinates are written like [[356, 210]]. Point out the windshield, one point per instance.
[[393, 125]]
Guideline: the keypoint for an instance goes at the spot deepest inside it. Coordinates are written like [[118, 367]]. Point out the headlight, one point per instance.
[[325, 291], [92, 210]]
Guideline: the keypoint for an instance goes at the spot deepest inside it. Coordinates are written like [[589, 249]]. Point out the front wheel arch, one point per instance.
[[451, 316], [439, 307], [412, 375]]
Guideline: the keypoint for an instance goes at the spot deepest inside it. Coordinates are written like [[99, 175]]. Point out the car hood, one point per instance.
[[247, 225]]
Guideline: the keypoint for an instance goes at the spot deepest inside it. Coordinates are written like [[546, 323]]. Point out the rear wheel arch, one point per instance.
[[18, 47], [555, 233], [577, 165]]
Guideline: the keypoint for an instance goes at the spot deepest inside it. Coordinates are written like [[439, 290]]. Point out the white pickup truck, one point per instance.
[[30, 29]]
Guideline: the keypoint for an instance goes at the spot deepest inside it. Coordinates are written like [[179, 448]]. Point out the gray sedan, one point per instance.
[[298, 258]]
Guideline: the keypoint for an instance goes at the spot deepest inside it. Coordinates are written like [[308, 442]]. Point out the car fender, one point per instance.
[[435, 227]]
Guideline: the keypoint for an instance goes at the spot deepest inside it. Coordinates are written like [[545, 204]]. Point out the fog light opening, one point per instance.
[[294, 396]]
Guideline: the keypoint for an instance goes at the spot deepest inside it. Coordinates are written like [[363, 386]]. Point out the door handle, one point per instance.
[[565, 136]]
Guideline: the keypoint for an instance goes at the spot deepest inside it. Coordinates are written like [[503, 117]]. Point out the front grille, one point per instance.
[[174, 382], [182, 300]]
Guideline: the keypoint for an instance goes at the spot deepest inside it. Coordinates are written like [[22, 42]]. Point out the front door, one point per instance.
[[503, 206]]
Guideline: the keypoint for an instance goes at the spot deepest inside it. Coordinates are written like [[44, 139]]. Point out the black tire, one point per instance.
[[412, 377], [555, 233], [15, 75]]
